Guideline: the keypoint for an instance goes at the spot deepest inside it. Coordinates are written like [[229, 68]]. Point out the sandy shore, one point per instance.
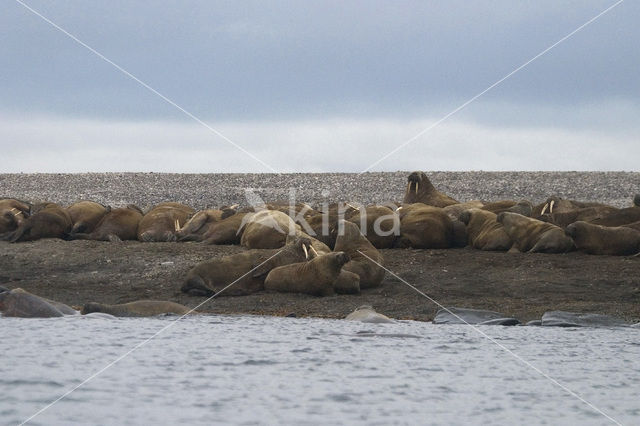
[[521, 285]]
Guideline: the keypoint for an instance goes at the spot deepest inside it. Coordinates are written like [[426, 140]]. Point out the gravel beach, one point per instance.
[[521, 285]]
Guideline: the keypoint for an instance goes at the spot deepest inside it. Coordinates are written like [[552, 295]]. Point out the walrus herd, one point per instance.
[[333, 248]]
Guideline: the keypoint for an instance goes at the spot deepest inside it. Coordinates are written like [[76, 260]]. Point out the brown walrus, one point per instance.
[[140, 308], [484, 231], [49, 221], [247, 270], [85, 215], [379, 224], [267, 229], [534, 236], [163, 221], [227, 231], [117, 225], [597, 239], [200, 222], [619, 217], [21, 303], [585, 214], [421, 190], [12, 214], [363, 255], [315, 277], [523, 207], [347, 283], [423, 226]]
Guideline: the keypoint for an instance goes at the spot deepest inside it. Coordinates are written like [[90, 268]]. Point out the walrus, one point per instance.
[[484, 231], [267, 229], [363, 255], [200, 222], [379, 224], [163, 221], [619, 217], [85, 215], [421, 190], [324, 224], [423, 226], [227, 231], [315, 277], [534, 236], [117, 225], [347, 283], [366, 313], [585, 214], [139, 308], [454, 315], [523, 207], [598, 239], [555, 204], [247, 270], [454, 210], [49, 221], [12, 214], [21, 303]]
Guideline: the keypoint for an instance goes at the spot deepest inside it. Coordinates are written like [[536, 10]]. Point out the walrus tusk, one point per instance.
[[551, 206], [313, 251], [18, 212], [235, 206], [544, 209], [177, 225], [409, 186], [353, 207], [306, 253], [417, 183]]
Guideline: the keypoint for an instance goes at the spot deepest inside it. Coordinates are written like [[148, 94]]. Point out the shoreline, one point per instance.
[[519, 285]]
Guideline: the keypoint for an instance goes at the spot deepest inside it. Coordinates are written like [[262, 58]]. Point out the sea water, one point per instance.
[[265, 370]]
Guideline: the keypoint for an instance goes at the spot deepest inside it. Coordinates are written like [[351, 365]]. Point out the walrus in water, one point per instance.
[[315, 277], [363, 255], [12, 214], [597, 239], [117, 225], [49, 221], [423, 226], [484, 231], [366, 313], [85, 215], [534, 236], [21, 303], [163, 221], [247, 270], [421, 190], [140, 308]]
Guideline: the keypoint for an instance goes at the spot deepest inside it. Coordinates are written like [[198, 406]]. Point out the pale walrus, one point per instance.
[[246, 270], [421, 190], [140, 308], [423, 226], [85, 215], [163, 221], [598, 239], [534, 236], [117, 225], [12, 214], [21, 303], [366, 313], [365, 258], [49, 221], [484, 231], [315, 277]]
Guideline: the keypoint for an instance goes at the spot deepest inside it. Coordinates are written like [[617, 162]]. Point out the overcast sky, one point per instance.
[[319, 86]]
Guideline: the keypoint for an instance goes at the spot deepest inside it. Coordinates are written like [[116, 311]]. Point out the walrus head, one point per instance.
[[571, 231], [342, 258], [415, 179]]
